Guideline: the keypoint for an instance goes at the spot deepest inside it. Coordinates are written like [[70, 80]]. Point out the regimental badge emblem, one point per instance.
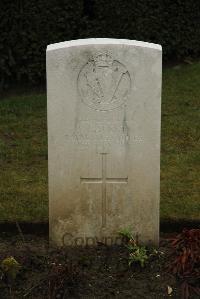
[[104, 83]]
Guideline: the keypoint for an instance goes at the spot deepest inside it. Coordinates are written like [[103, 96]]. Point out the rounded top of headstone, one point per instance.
[[103, 41]]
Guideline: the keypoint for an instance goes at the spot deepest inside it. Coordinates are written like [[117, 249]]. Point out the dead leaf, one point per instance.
[[169, 290]]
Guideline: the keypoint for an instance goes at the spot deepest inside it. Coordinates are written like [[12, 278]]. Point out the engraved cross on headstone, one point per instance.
[[104, 180]]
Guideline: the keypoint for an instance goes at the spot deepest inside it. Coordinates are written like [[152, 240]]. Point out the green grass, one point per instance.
[[23, 151], [180, 154], [23, 159]]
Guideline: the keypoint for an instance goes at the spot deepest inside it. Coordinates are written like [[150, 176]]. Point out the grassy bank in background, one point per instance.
[[23, 159], [180, 154], [23, 151]]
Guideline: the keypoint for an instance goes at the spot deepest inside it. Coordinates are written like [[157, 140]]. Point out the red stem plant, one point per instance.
[[186, 261]]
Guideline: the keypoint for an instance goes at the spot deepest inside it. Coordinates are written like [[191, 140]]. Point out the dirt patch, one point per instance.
[[84, 272]]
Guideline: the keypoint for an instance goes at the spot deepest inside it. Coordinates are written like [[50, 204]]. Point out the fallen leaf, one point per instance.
[[169, 290]]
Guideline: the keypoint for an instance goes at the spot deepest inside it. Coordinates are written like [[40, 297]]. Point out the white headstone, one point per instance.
[[104, 108]]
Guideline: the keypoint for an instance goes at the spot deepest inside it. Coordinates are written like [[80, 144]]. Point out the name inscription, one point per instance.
[[91, 132]]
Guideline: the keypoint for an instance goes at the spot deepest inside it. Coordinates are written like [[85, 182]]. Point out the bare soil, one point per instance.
[[83, 272]]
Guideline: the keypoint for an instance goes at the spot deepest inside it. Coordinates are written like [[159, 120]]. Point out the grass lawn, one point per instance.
[[180, 153], [23, 151]]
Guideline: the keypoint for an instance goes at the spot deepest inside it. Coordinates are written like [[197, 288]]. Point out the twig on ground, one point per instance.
[[20, 232]]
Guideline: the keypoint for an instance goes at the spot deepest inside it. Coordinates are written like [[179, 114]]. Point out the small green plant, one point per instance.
[[126, 234], [137, 253], [10, 268]]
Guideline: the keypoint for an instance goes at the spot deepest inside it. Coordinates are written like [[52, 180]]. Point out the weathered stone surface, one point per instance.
[[104, 104]]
